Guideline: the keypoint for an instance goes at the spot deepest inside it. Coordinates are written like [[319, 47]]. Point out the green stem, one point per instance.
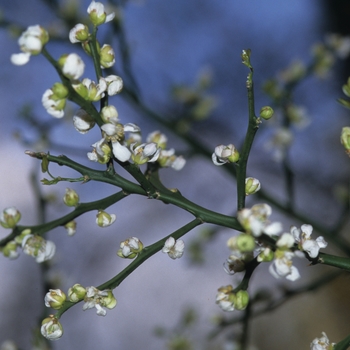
[[335, 261], [247, 145], [79, 210]]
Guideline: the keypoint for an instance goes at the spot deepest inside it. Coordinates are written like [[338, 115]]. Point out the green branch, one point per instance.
[[145, 254]]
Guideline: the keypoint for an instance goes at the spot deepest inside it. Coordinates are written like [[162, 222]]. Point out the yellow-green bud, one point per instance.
[[245, 243], [10, 250], [246, 58], [346, 88], [252, 185], [59, 90], [345, 138], [109, 301], [76, 293], [266, 255], [107, 57], [71, 198], [9, 217], [55, 298], [266, 112], [240, 299]]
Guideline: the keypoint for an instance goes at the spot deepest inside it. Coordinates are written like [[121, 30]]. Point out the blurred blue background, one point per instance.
[[171, 42]]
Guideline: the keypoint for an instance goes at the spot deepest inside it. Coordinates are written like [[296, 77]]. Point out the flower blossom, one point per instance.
[[9, 217], [98, 16], [255, 220], [83, 121], [130, 248], [38, 247], [99, 300], [302, 237], [72, 66], [51, 328], [114, 83], [101, 152], [31, 42], [79, 33], [146, 152], [103, 219], [175, 249], [55, 298], [282, 265], [321, 343], [225, 154]]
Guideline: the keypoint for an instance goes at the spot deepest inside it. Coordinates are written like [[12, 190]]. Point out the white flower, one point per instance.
[[103, 219], [321, 343], [340, 44], [72, 66], [279, 143], [252, 185], [282, 266], [31, 42], [225, 154], [175, 249], [302, 236], [82, 121], [255, 220], [53, 106], [146, 152], [101, 152], [79, 33], [159, 138], [130, 248], [99, 300], [109, 114], [38, 247], [55, 298], [98, 15], [115, 84], [167, 158], [51, 328], [224, 298], [9, 217]]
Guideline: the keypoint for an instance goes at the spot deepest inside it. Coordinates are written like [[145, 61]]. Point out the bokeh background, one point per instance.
[[170, 43]]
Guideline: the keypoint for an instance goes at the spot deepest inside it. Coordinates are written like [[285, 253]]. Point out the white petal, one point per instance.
[[19, 59], [121, 152]]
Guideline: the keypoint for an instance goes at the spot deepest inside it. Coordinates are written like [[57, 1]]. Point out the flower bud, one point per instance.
[[104, 219], [115, 84], [158, 138], [345, 138], [9, 217], [82, 121], [51, 328], [266, 255], [246, 58], [71, 198], [225, 154], [107, 56], [240, 300], [10, 250], [55, 299], [109, 301], [59, 90], [245, 243], [79, 33], [266, 112], [109, 114], [98, 15], [252, 185], [76, 293], [72, 66], [71, 227]]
